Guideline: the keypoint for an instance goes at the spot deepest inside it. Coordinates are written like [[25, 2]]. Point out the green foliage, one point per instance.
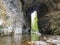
[[34, 25]]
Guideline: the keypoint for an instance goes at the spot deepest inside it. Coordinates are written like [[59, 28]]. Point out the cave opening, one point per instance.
[[42, 10]]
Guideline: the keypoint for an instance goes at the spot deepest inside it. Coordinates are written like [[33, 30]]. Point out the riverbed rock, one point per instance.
[[44, 19]]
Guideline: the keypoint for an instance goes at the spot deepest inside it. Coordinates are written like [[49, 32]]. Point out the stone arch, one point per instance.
[[41, 9]]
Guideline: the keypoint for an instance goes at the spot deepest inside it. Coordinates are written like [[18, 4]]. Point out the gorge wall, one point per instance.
[[47, 11], [11, 16], [15, 16]]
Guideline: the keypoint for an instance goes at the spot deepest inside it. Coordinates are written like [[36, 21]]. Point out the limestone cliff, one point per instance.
[[11, 17], [15, 16]]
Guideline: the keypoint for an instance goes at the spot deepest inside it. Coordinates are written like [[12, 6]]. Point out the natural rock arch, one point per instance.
[[40, 7]]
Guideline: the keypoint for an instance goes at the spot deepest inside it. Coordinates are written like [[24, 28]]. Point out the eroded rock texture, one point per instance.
[[15, 16], [53, 23], [12, 17], [44, 9], [31, 6]]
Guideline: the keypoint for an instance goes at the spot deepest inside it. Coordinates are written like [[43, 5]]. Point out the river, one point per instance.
[[23, 39], [15, 40]]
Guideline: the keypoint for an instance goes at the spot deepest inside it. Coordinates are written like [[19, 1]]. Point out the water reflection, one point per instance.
[[34, 37], [45, 39], [25, 39], [14, 40]]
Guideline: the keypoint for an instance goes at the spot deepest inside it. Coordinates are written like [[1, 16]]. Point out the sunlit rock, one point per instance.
[[18, 30], [12, 15], [7, 30], [1, 21]]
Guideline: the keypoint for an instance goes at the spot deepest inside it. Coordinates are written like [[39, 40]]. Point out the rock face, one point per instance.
[[55, 22], [11, 16], [15, 16], [43, 8], [31, 6]]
